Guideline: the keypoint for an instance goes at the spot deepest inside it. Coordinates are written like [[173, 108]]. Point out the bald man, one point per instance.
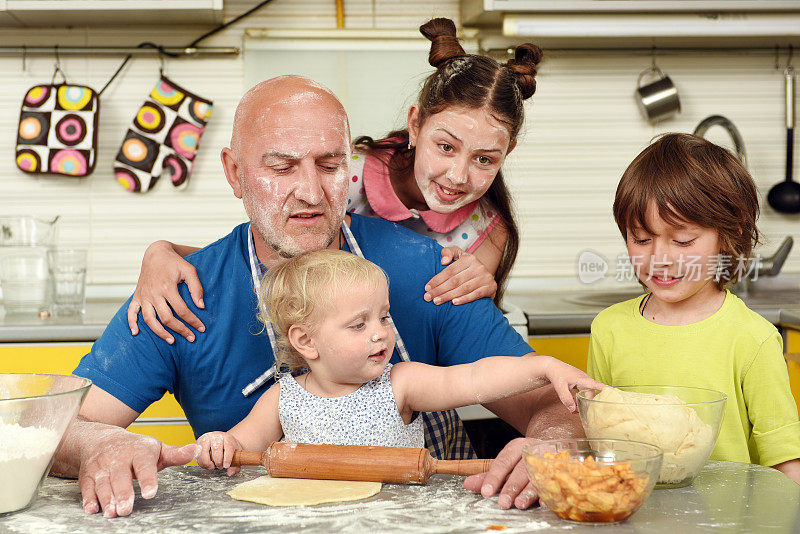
[[288, 162]]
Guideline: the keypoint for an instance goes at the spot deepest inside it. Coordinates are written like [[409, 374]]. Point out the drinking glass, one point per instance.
[[23, 278], [68, 276]]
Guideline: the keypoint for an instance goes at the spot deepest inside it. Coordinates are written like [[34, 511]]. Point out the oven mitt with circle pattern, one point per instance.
[[57, 131], [163, 138]]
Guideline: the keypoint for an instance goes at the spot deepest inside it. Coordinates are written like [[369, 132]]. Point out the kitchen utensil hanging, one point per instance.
[[163, 137], [785, 196], [658, 99]]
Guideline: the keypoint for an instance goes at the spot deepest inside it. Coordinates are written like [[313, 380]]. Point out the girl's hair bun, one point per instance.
[[441, 33], [526, 57]]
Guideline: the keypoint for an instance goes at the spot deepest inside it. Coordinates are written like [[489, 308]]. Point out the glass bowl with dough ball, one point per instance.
[[592, 480], [35, 411], [683, 421]]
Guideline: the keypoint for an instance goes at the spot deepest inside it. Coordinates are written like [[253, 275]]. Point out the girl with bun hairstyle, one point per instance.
[[440, 177], [446, 164]]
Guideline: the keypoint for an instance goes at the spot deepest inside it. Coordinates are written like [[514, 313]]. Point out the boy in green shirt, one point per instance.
[[687, 210]]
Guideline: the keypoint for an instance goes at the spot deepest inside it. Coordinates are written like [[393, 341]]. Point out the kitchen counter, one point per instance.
[[572, 311], [548, 312], [726, 497], [552, 312], [19, 328]]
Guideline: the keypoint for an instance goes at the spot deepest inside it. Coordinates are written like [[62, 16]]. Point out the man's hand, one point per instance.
[[113, 458], [465, 279], [542, 416], [508, 476], [157, 295]]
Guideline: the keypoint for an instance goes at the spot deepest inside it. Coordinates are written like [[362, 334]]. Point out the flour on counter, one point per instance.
[[25, 453]]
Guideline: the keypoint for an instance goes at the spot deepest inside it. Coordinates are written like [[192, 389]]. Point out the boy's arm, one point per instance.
[[771, 409], [425, 388], [791, 469]]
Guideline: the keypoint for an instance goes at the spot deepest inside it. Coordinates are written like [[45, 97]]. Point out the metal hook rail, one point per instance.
[[191, 52], [651, 51]]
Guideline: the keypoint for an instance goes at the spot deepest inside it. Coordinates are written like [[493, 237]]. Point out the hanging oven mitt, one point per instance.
[[57, 131], [163, 138]]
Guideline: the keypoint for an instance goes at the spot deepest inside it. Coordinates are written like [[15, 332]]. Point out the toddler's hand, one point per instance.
[[216, 451], [565, 378]]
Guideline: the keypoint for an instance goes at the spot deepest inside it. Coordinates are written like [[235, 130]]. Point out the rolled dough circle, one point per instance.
[[301, 491]]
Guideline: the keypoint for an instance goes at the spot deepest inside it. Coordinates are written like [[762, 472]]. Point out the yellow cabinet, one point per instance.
[[164, 419], [570, 349]]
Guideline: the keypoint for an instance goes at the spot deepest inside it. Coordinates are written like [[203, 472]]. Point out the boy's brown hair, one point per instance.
[[692, 180]]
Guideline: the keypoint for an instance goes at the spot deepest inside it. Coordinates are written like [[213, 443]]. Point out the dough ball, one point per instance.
[[661, 420], [302, 491]]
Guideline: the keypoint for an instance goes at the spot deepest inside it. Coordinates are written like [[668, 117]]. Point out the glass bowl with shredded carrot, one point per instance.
[[593, 480]]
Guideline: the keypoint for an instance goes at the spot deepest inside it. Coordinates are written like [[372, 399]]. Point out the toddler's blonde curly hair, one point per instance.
[[300, 289]]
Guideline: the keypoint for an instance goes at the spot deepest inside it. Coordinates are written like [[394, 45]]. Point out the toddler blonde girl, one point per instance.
[[330, 312]]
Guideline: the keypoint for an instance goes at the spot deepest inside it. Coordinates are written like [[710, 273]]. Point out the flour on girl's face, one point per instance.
[[459, 152]]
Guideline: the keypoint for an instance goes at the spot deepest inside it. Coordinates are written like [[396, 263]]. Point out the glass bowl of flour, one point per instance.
[[35, 411], [683, 421]]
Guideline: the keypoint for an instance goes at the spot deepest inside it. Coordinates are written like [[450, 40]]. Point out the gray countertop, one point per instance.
[[21, 328], [572, 311], [548, 312], [726, 497]]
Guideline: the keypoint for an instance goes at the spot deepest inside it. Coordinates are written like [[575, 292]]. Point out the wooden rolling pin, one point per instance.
[[393, 465]]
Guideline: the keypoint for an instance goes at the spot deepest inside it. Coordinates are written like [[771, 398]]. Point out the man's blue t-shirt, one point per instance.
[[207, 376]]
